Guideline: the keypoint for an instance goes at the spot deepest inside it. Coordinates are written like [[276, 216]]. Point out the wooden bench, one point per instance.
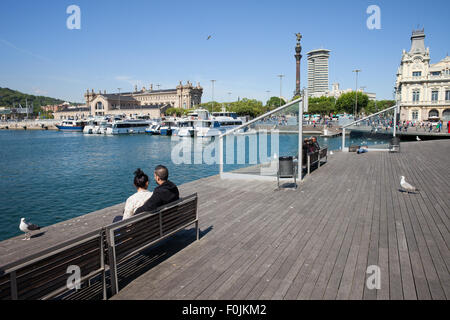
[[127, 238], [316, 157], [45, 275]]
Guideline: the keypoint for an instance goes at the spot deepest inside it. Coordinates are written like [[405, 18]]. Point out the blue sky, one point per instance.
[[122, 43]]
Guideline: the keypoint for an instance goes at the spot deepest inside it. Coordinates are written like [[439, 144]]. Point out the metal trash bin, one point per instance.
[[286, 169], [394, 144]]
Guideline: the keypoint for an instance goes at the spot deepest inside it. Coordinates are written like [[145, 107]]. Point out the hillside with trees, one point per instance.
[[10, 98]]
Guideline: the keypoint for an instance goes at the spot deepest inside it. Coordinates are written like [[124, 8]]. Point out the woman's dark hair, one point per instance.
[[140, 178]]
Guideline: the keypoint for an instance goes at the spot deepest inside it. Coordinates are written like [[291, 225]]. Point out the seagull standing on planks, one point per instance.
[[418, 139], [406, 186], [27, 228]]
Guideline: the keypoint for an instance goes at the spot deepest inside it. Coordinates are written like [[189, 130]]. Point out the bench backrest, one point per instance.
[[323, 152], [313, 156], [45, 275], [131, 236]]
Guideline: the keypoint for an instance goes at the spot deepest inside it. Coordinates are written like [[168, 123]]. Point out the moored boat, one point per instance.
[[128, 126], [71, 125]]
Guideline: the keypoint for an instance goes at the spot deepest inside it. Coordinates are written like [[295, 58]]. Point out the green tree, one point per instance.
[[346, 102], [322, 105], [375, 106], [12, 98], [274, 102], [178, 112], [247, 107], [211, 106]]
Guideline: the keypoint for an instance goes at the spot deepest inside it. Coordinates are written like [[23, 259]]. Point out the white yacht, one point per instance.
[[227, 123], [153, 129], [92, 125], [186, 128], [128, 126], [207, 128]]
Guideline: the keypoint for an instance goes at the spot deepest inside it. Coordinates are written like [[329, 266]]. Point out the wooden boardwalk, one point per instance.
[[316, 242]]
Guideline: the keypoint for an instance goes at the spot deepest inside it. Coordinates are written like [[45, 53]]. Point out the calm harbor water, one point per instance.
[[49, 176]]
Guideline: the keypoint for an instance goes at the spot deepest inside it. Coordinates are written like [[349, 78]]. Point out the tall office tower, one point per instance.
[[318, 72]]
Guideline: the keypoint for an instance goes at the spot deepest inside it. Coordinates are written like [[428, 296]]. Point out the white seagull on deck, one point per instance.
[[418, 139], [406, 186], [27, 228]]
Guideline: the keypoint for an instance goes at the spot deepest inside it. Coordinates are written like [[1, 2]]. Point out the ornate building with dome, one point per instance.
[[423, 89]]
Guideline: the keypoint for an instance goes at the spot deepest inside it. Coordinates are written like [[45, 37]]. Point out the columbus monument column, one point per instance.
[[298, 56]]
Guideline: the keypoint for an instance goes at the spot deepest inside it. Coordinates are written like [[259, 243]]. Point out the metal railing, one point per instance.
[[300, 101], [395, 108]]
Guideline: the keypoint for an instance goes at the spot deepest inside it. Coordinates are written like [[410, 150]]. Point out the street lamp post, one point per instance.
[[281, 80], [356, 92], [229, 98]]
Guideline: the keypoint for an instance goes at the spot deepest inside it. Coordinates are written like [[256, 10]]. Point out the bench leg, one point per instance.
[[295, 179], [113, 268], [104, 285], [278, 181], [197, 230]]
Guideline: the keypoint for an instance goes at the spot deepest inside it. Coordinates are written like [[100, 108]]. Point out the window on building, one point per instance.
[[447, 95], [415, 115], [417, 73], [416, 95], [436, 73], [434, 95]]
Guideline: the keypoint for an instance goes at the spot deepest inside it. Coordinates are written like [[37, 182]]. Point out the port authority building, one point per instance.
[[423, 89], [145, 102]]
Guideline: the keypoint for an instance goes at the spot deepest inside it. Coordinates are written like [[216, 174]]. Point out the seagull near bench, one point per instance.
[[27, 228]]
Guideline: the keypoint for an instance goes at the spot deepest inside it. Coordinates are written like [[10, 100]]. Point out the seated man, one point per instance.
[[166, 191], [315, 144]]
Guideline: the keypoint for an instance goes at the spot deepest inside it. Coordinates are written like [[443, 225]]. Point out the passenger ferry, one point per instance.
[[128, 126], [71, 125], [186, 128], [216, 126]]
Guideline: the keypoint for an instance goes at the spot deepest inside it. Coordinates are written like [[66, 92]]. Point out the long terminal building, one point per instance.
[[147, 102]]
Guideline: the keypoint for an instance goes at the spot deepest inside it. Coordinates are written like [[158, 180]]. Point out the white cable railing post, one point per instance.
[[343, 139], [220, 155]]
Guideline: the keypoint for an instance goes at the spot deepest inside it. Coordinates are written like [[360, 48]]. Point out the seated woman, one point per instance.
[[140, 197]]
